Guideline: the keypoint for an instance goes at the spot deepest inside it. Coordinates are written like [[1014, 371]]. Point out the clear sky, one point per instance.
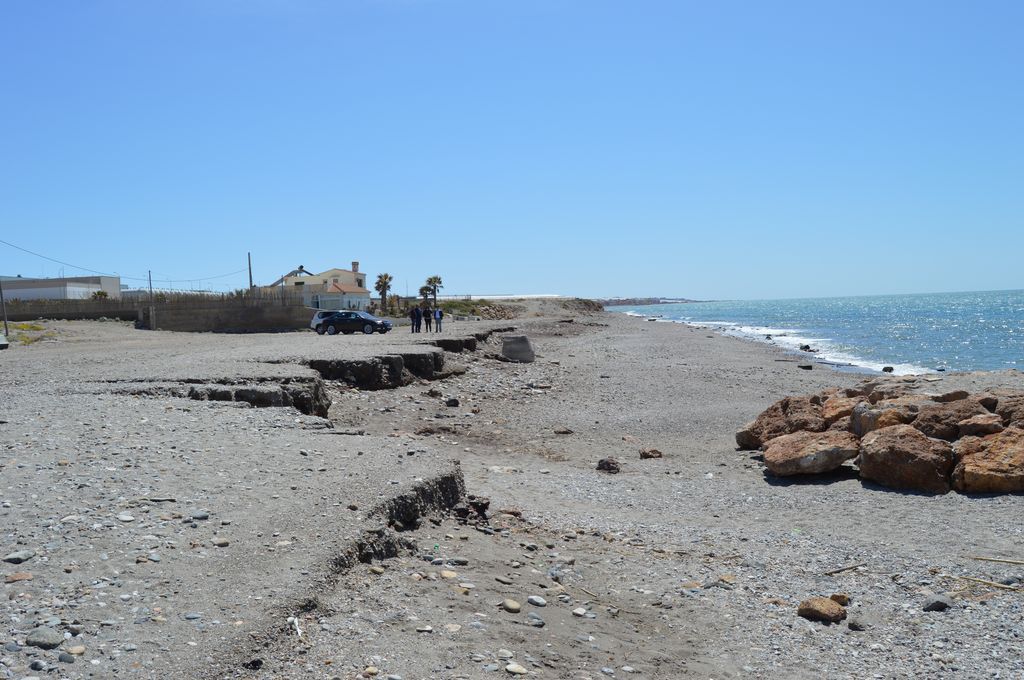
[[595, 148]]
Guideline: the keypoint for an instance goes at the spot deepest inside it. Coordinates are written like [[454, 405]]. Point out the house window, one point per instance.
[[300, 283], [334, 280]]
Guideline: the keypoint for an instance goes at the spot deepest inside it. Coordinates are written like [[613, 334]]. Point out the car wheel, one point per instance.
[[320, 329], [368, 329], [331, 330]]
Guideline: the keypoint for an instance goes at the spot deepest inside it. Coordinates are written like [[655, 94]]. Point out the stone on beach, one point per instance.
[[991, 464], [902, 457], [822, 609], [867, 417], [44, 638], [941, 421], [837, 407], [981, 425], [517, 348], [1011, 410], [785, 416], [19, 556], [803, 453]]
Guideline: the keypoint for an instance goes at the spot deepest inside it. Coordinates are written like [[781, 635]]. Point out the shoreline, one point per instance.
[[793, 341]]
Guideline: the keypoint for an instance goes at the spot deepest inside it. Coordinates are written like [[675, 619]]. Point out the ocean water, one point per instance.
[[911, 333]]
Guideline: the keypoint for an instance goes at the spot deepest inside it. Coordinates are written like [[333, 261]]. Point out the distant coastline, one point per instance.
[[631, 302]]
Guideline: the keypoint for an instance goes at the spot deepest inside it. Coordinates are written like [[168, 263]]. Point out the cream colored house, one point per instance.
[[331, 289]]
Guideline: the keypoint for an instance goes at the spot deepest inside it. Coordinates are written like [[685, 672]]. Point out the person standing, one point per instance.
[[412, 319], [428, 317], [438, 315]]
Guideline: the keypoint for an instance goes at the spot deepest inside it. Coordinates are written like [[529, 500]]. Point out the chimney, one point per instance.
[[355, 267]]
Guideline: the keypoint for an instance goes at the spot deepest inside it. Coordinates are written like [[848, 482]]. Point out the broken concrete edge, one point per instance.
[[307, 394], [380, 540], [468, 343]]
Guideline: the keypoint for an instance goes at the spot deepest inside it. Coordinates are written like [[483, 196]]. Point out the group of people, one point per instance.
[[427, 316]]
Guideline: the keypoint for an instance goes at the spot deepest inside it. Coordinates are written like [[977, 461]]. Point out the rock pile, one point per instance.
[[973, 443]]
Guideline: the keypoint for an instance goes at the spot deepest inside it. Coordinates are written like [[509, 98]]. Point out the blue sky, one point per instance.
[[701, 149]]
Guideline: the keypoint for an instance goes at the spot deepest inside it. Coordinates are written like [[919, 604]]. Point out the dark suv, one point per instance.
[[349, 322]]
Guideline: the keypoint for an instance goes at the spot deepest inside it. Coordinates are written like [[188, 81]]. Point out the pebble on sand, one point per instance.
[[44, 638]]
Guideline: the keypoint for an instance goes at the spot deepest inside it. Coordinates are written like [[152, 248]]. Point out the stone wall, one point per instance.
[[227, 317]]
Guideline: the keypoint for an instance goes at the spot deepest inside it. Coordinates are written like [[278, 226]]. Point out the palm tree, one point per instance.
[[382, 286], [425, 292], [434, 283]]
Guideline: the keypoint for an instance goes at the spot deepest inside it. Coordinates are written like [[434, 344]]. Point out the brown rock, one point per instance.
[[821, 609], [18, 576], [980, 425], [887, 388], [650, 453], [840, 598], [1011, 409], [842, 425], [836, 408], [786, 416], [989, 401], [902, 457], [955, 395], [808, 453], [870, 417], [942, 421], [992, 464]]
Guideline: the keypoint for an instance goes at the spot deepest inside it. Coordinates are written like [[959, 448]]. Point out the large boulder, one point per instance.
[[942, 421], [785, 416], [867, 417], [517, 348], [981, 425], [838, 407], [955, 395], [808, 453], [992, 464], [887, 388], [902, 457], [1011, 410]]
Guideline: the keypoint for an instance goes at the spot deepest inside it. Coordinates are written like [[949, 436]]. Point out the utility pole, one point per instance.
[[150, 286], [250, 269], [4, 305]]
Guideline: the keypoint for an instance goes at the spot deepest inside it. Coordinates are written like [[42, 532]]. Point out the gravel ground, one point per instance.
[[690, 565]]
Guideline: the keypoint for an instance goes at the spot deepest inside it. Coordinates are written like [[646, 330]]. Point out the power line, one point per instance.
[[67, 264], [130, 278]]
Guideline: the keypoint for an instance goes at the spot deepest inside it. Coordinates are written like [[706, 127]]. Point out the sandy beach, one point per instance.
[[173, 526]]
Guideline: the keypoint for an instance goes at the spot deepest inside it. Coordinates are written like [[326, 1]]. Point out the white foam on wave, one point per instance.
[[790, 340]]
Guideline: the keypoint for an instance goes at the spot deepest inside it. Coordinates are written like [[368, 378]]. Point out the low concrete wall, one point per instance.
[[222, 315], [227, 318]]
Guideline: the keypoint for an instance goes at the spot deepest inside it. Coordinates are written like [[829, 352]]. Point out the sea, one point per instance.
[[922, 333]]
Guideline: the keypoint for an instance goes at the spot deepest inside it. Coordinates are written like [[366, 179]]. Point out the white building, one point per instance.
[[68, 288]]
